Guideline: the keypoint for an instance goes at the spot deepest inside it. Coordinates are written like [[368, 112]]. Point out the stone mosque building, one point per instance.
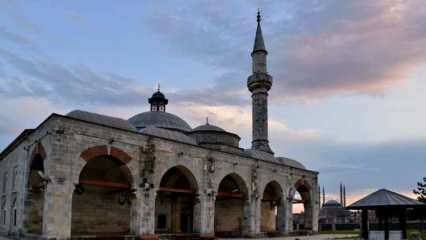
[[152, 176]]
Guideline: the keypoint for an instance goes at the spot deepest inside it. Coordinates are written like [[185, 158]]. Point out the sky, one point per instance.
[[348, 88]]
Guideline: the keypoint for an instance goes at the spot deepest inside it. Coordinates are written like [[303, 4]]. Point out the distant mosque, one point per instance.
[[334, 212]]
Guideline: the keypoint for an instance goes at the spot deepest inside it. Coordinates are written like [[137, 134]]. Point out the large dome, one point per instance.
[[332, 203], [159, 119]]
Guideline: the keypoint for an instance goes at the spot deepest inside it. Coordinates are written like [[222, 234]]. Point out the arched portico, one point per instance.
[[272, 209], [304, 190], [102, 198], [175, 202], [36, 186], [231, 207]]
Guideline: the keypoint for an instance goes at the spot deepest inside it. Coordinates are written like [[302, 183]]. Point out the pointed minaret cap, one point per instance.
[[259, 44]]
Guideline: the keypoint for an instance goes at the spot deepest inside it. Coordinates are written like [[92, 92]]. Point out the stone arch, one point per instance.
[[103, 194], [232, 207], [272, 208], [186, 169], [36, 183], [176, 203], [103, 150], [39, 149], [244, 178], [304, 189]]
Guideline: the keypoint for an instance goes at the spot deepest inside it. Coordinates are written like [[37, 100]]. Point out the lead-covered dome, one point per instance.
[[159, 119], [101, 119], [332, 203], [168, 134], [215, 137], [291, 162]]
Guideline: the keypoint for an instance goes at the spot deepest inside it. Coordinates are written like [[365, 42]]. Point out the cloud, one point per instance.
[[16, 39], [26, 23], [75, 85], [24, 112], [228, 89], [367, 48], [317, 49], [396, 165]]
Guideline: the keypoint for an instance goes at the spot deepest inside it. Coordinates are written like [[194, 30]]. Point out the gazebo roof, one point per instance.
[[385, 198]]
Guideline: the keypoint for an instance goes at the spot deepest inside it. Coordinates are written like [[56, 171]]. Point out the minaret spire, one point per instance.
[[259, 43], [259, 84]]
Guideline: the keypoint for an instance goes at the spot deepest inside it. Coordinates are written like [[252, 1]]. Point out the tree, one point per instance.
[[421, 191]]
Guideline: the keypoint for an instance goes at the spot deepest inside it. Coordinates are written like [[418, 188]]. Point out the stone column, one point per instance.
[[289, 217], [57, 210], [281, 217], [314, 209], [206, 214], [145, 215], [252, 211]]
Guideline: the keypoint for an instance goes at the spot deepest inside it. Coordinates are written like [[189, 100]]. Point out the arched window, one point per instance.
[[14, 212], [3, 210]]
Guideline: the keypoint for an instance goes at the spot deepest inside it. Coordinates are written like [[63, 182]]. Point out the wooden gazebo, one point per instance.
[[385, 204]]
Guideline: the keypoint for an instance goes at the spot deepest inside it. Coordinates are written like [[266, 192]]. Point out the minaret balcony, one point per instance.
[[259, 80]]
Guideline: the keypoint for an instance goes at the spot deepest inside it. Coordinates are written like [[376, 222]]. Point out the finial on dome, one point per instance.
[[158, 86], [207, 120]]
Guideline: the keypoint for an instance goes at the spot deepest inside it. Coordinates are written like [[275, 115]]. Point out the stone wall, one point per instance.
[[268, 218], [68, 139], [34, 212], [99, 211], [229, 216]]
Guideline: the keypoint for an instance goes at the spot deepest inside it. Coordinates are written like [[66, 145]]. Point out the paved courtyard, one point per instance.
[[314, 237]]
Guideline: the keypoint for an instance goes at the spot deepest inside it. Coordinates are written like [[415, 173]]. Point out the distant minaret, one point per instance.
[[259, 84], [323, 196], [341, 194], [344, 195]]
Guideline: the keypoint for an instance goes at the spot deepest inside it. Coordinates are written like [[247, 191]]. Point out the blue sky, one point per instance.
[[348, 75]]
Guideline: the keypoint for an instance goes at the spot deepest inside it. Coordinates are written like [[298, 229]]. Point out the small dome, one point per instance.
[[168, 134], [291, 162], [101, 119], [208, 127], [332, 203], [161, 120], [213, 136]]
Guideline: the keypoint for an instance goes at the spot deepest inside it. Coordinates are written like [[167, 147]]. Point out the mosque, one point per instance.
[[87, 175]]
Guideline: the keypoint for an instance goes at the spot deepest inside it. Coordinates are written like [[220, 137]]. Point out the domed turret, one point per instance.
[[158, 117], [158, 101]]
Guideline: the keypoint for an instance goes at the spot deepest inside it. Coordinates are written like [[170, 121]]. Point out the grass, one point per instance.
[[411, 231]]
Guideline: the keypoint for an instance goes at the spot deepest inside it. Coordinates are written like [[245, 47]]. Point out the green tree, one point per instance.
[[421, 191]]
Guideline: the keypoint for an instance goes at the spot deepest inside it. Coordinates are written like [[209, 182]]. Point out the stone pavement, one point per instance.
[[313, 237]]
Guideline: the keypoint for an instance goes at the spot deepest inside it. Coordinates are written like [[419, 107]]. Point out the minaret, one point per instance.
[[323, 196], [259, 84], [341, 194], [158, 101], [344, 195]]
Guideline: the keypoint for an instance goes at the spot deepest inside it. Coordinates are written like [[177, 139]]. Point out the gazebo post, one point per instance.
[[403, 224], [364, 224], [386, 226]]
